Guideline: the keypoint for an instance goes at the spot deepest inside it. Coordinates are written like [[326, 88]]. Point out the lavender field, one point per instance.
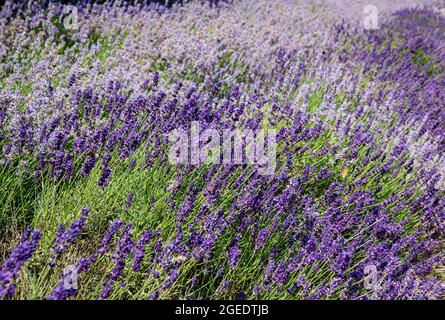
[[270, 149]]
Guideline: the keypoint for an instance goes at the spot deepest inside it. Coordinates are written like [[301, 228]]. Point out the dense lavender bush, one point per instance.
[[355, 207]]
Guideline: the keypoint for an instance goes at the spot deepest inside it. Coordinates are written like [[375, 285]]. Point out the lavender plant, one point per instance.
[[355, 207]]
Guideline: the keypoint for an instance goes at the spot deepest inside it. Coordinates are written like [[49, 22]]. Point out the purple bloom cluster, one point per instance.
[[62, 291], [120, 256], [65, 237], [12, 265]]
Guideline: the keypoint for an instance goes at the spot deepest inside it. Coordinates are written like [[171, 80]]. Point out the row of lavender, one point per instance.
[[358, 184]]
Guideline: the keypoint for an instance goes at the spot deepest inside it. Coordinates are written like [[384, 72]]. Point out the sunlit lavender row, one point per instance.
[[93, 207]]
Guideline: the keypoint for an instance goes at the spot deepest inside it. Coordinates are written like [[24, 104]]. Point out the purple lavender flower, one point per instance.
[[12, 265], [123, 251], [129, 201], [234, 255], [111, 232], [66, 237], [139, 250]]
